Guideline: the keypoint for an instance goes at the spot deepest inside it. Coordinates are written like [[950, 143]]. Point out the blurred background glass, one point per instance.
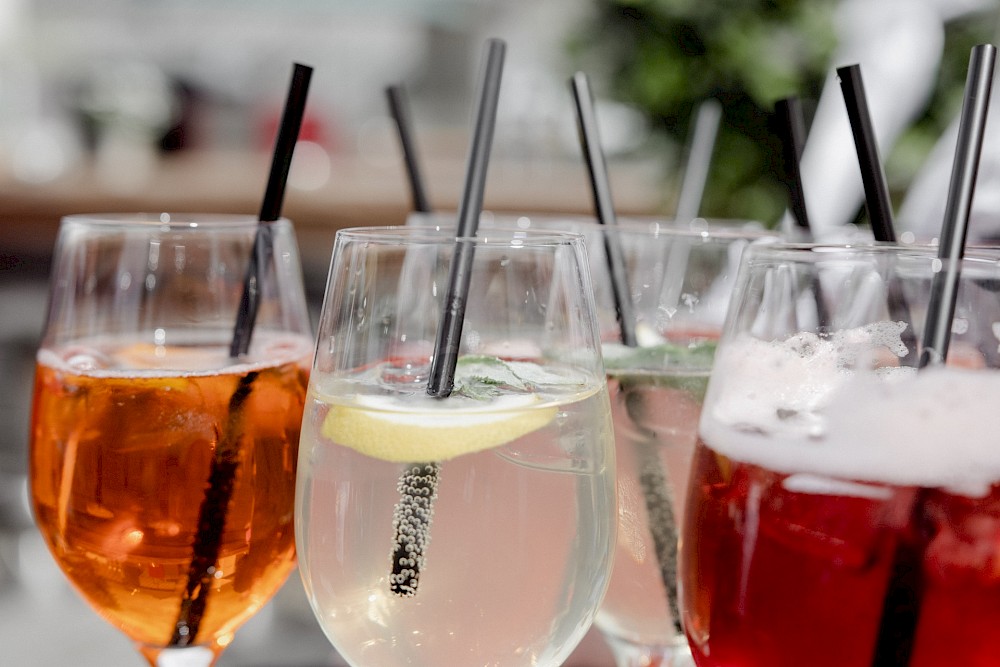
[[133, 105]]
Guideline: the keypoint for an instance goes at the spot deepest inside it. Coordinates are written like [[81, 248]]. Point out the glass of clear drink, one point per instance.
[[161, 465], [474, 529], [844, 507], [679, 277]]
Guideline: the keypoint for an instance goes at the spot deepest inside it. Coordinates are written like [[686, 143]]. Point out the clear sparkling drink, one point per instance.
[[655, 415], [501, 494]]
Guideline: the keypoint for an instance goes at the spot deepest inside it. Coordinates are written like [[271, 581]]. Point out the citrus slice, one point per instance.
[[381, 428]]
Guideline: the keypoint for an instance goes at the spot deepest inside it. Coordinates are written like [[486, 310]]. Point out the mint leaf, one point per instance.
[[487, 370], [484, 377], [659, 357]]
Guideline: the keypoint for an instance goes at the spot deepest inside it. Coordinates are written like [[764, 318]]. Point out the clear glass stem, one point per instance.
[[189, 656], [630, 654]]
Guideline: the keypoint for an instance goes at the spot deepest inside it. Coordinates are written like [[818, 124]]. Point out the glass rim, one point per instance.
[[181, 220], [700, 227], [495, 236], [819, 251]]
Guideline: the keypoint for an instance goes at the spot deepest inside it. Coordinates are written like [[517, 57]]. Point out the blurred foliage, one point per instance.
[[945, 104], [666, 56]]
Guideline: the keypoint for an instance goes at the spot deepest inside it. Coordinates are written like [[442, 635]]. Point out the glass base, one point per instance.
[[190, 656], [630, 654]]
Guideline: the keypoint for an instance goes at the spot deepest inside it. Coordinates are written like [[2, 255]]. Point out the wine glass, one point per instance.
[[162, 466], [678, 277], [476, 528], [845, 504]]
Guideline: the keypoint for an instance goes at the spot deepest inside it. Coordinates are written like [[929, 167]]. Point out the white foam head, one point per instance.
[[840, 406]]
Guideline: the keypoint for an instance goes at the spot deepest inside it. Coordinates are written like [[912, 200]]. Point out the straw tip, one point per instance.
[[496, 50], [848, 70], [579, 83], [785, 102], [710, 104]]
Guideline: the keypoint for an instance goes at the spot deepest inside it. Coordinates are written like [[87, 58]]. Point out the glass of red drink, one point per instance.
[[844, 508], [162, 462]]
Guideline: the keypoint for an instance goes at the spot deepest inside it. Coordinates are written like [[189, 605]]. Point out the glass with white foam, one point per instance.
[[845, 507], [476, 528]]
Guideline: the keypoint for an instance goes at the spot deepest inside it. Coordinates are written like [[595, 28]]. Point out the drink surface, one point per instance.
[[120, 462], [656, 394], [518, 549], [809, 477]]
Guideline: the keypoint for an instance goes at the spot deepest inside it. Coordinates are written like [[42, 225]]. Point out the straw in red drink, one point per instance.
[[877, 200], [901, 606], [791, 129]]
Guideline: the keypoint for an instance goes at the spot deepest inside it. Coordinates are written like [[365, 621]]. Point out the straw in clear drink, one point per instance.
[[656, 487], [418, 482], [399, 108], [705, 128], [696, 169]]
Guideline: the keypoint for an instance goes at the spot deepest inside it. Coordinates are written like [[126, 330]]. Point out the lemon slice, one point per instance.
[[379, 427]]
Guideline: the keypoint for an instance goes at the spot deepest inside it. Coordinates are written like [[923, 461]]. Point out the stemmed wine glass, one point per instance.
[[162, 466], [476, 528], [678, 277]]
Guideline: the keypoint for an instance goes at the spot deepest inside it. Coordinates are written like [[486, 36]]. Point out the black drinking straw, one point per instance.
[[270, 209], [699, 159], [400, 111], [877, 201], [418, 482], [792, 132], [225, 462], [901, 606], [600, 186], [446, 347], [951, 248], [656, 488]]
